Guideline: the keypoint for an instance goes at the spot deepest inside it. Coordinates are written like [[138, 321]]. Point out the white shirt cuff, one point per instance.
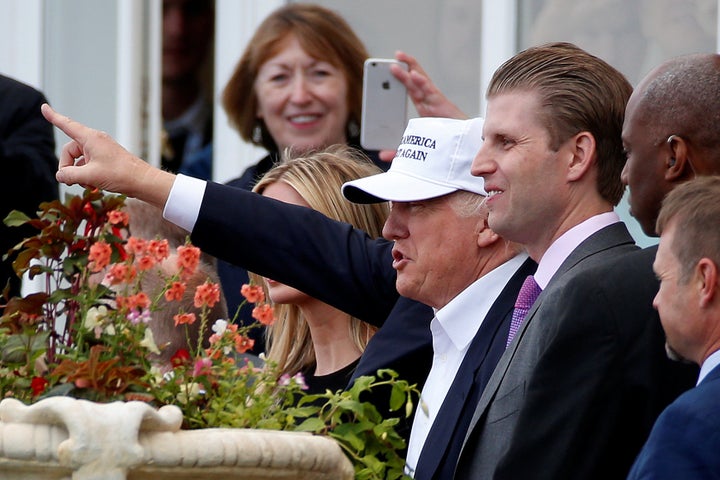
[[183, 204]]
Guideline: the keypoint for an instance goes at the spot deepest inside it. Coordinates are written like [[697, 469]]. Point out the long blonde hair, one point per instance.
[[317, 177]]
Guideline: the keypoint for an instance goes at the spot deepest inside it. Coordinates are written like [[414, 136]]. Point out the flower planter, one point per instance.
[[66, 438]]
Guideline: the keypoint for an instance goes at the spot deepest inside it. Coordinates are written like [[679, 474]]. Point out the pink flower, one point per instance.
[[117, 217], [202, 367]]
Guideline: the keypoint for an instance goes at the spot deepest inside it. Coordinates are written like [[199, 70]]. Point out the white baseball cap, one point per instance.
[[433, 159]]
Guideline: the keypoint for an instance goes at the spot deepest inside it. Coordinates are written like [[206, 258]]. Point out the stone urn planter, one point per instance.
[[66, 438]]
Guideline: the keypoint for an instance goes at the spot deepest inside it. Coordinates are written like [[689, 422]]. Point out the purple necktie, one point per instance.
[[528, 294]]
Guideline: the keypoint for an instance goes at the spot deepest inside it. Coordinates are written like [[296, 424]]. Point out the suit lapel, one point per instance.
[[609, 237], [471, 375]]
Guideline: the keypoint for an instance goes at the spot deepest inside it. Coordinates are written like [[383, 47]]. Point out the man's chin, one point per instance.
[[672, 354]]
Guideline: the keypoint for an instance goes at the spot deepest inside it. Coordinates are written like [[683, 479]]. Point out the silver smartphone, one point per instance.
[[384, 106]]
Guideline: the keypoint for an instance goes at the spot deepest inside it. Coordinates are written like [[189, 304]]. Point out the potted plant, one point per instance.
[[82, 396]]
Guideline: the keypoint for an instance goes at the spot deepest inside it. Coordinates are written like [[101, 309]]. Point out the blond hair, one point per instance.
[[318, 177]]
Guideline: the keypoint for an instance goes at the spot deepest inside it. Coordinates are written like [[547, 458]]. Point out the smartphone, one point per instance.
[[384, 105]]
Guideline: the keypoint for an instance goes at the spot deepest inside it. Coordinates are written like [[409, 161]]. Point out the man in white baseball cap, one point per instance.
[[447, 257], [442, 252]]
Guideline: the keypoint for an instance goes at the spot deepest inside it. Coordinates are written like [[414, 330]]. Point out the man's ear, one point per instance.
[[707, 278], [582, 148], [486, 235], [678, 163]]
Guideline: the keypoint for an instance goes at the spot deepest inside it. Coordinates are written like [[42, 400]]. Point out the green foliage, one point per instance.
[[87, 336]]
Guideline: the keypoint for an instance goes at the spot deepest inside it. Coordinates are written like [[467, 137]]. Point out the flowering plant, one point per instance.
[[89, 335]]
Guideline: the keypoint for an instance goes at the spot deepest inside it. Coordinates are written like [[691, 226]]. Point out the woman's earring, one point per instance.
[[353, 129], [257, 133]]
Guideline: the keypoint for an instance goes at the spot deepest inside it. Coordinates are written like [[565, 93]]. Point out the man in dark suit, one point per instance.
[[358, 274], [27, 156], [668, 138], [684, 442], [448, 258], [574, 394]]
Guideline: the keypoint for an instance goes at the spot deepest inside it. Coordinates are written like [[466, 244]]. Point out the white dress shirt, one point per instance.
[[708, 365], [453, 328], [183, 204]]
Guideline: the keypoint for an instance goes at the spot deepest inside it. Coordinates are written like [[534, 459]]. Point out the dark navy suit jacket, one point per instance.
[[326, 259], [685, 441], [442, 446]]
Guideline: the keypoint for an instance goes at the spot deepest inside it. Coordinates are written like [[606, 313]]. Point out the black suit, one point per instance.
[[577, 392], [326, 259], [444, 441], [28, 162]]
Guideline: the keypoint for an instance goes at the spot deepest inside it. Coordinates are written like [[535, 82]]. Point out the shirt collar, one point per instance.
[[708, 365], [564, 245], [461, 318]]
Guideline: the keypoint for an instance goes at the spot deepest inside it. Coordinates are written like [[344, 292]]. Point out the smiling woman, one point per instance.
[[297, 87]]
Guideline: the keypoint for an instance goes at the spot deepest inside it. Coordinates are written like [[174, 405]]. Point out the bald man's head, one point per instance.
[[671, 131]]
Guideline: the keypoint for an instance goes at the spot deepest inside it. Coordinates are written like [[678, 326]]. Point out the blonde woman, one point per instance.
[[309, 336]]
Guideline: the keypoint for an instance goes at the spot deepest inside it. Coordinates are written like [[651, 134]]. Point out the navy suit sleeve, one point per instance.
[[684, 442], [300, 247], [27, 148], [28, 162]]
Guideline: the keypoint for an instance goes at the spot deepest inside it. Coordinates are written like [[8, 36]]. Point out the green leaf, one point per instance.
[[311, 425], [16, 218], [397, 397]]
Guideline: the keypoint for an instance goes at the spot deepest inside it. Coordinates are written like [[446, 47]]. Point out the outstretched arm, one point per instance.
[[93, 158]]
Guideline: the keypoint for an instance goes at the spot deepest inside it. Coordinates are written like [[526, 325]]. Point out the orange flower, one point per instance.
[[207, 294], [243, 343], [145, 263], [136, 246], [120, 272], [159, 249], [188, 259], [99, 256], [264, 314], [184, 319], [253, 293], [117, 217], [139, 300], [175, 292]]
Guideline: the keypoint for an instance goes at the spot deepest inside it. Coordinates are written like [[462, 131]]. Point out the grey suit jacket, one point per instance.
[[537, 401]]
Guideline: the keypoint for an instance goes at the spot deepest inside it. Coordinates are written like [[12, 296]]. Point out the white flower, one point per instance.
[[189, 393], [95, 316], [148, 342], [220, 326]]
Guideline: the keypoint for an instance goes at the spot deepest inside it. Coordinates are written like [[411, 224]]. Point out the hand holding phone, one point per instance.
[[384, 105]]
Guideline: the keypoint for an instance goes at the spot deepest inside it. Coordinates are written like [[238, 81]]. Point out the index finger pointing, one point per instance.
[[70, 127]]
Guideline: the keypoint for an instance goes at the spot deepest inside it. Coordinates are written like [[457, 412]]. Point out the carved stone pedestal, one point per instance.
[[65, 438]]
